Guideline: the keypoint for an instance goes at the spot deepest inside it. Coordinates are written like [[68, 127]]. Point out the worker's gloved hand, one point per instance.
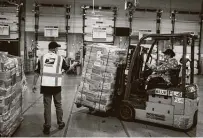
[[34, 89], [73, 65]]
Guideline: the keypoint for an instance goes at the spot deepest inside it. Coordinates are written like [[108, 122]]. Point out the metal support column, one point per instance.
[[114, 19], [19, 12], [67, 27], [24, 31], [130, 24], [36, 31], [158, 28], [173, 19], [83, 31], [200, 41]]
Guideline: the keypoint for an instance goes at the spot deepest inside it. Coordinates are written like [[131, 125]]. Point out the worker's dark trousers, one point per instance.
[[47, 108]]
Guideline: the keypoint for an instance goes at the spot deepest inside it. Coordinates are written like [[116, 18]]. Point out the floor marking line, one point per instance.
[[31, 105], [125, 129], [69, 117]]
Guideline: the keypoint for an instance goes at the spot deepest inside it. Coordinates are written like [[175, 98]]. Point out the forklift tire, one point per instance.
[[126, 112], [195, 121]]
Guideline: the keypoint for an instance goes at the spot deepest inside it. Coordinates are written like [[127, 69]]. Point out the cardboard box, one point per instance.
[[5, 92], [96, 77], [5, 83]]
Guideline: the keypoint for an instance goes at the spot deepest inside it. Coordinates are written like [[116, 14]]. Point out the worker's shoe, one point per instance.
[[46, 130], [61, 126]]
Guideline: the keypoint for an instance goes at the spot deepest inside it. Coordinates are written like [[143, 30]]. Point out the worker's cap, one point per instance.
[[53, 45], [169, 52]]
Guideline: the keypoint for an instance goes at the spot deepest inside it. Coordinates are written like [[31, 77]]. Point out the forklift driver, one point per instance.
[[161, 72]]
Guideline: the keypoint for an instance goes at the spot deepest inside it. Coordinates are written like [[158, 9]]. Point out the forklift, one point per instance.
[[174, 105]]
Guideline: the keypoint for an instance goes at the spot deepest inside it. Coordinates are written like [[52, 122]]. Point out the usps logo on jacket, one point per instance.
[[50, 62]]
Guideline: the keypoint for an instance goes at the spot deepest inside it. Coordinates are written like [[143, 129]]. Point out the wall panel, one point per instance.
[[9, 17]]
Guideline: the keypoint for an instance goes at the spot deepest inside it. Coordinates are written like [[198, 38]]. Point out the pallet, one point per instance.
[[9, 133]]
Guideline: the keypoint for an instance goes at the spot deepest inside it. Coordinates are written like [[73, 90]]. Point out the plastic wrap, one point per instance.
[[98, 77], [12, 85]]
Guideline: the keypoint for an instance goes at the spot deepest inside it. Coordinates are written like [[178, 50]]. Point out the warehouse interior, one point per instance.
[[80, 27]]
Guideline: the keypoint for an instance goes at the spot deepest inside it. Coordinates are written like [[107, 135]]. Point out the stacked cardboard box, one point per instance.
[[12, 85], [99, 75]]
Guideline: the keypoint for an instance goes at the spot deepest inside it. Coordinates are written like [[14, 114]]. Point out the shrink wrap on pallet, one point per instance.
[[12, 86], [99, 76]]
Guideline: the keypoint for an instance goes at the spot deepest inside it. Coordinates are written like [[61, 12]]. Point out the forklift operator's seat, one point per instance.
[[159, 82], [174, 74]]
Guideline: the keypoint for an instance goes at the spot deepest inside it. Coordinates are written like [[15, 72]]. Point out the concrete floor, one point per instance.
[[80, 123]]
